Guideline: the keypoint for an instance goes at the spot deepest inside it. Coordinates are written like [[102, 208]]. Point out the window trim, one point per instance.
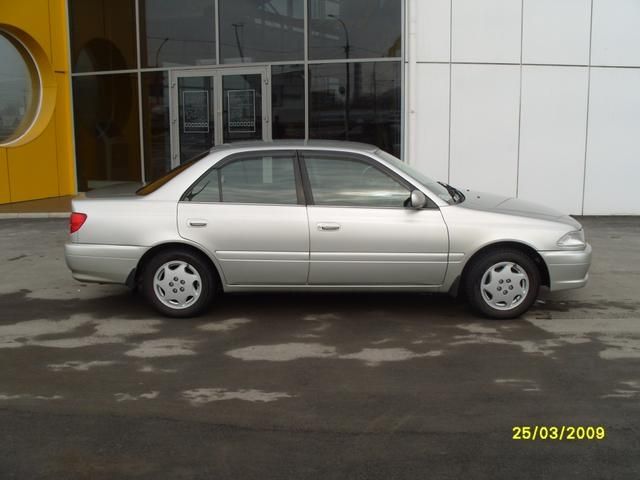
[[363, 159], [234, 157]]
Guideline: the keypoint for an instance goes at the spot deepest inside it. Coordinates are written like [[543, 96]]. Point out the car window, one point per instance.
[[259, 179], [353, 183], [206, 189]]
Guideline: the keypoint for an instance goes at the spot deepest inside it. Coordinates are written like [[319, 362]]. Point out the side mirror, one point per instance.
[[418, 199]]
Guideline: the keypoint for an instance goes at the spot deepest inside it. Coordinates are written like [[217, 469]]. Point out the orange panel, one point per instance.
[[34, 168], [5, 195], [66, 168], [58, 11], [41, 164], [32, 16]]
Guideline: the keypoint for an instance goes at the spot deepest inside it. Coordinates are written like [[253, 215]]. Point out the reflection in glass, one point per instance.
[[242, 107], [352, 183], [269, 180], [106, 129], [177, 32], [366, 108], [261, 31], [287, 101], [155, 123], [196, 116], [355, 29], [103, 35], [19, 89]]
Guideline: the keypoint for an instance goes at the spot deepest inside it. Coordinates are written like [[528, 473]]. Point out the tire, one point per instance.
[[499, 271], [188, 296]]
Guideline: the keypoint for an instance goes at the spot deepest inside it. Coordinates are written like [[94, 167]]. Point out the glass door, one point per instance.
[[193, 116], [245, 105], [210, 107]]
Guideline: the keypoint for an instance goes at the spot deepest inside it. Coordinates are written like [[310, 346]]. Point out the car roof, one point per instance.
[[297, 144]]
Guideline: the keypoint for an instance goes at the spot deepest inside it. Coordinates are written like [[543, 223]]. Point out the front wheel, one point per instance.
[[502, 284], [178, 283]]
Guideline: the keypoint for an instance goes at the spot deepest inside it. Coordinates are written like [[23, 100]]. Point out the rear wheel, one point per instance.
[[179, 283], [502, 284]]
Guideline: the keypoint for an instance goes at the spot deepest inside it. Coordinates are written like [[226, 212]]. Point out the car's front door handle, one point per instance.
[[194, 222], [328, 227]]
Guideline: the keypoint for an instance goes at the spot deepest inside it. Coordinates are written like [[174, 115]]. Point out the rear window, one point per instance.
[[156, 184]]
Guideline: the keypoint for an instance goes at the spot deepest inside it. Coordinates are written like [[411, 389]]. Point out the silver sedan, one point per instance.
[[319, 216]]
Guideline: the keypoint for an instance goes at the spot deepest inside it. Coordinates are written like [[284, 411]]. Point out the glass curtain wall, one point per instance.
[[338, 79]]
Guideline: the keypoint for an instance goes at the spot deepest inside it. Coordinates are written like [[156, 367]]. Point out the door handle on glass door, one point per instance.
[[328, 227], [197, 222]]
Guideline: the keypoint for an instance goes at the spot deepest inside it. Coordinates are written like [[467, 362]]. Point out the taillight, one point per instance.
[[76, 221]]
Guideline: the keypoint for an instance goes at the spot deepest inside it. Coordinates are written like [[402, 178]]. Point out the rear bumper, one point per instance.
[[102, 263], [568, 268]]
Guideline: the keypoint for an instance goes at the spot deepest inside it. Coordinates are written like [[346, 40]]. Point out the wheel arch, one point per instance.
[[511, 244], [135, 276]]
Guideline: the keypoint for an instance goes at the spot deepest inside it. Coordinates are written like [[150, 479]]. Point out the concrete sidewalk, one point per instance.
[[54, 207]]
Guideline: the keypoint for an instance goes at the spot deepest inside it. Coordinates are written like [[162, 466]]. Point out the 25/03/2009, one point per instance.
[[544, 432]]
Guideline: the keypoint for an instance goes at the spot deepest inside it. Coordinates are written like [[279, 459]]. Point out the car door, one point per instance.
[[249, 211], [361, 232]]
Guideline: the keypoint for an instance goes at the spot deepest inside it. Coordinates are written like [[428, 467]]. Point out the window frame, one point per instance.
[[235, 157], [363, 159]]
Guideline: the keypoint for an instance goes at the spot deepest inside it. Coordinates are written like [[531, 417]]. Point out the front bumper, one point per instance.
[[102, 263], [568, 268]]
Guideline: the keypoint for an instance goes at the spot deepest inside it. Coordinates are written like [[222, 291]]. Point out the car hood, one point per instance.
[[125, 189], [488, 202]]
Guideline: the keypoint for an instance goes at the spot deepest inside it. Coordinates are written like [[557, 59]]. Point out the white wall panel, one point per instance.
[[556, 31], [616, 33], [433, 27], [613, 147], [552, 136], [432, 120], [486, 30], [484, 127]]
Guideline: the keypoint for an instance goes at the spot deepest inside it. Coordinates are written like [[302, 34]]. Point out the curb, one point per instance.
[[34, 215]]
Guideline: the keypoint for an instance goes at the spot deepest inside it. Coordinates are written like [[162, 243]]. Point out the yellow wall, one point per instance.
[[43, 166]]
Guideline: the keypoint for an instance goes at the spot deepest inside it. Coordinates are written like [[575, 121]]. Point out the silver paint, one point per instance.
[[279, 247]]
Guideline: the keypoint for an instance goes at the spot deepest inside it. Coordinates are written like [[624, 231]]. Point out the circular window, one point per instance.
[[19, 89]]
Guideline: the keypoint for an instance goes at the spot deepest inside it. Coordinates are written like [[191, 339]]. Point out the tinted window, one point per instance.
[[177, 32], [155, 124], [356, 101], [107, 129], [260, 179], [103, 35], [350, 182], [206, 190], [261, 31], [355, 28], [287, 101]]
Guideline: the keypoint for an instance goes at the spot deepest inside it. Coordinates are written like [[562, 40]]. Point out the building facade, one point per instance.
[[36, 141], [531, 98]]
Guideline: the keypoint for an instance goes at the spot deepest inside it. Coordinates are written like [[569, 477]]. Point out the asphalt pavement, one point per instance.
[[95, 385]]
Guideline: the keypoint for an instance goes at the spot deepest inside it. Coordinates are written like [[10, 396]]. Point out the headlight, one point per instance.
[[573, 240]]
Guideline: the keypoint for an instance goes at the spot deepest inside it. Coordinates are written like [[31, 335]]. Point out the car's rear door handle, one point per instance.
[[196, 222], [328, 227]]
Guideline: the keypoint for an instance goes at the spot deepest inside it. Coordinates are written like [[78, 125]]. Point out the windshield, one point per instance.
[[433, 186]]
